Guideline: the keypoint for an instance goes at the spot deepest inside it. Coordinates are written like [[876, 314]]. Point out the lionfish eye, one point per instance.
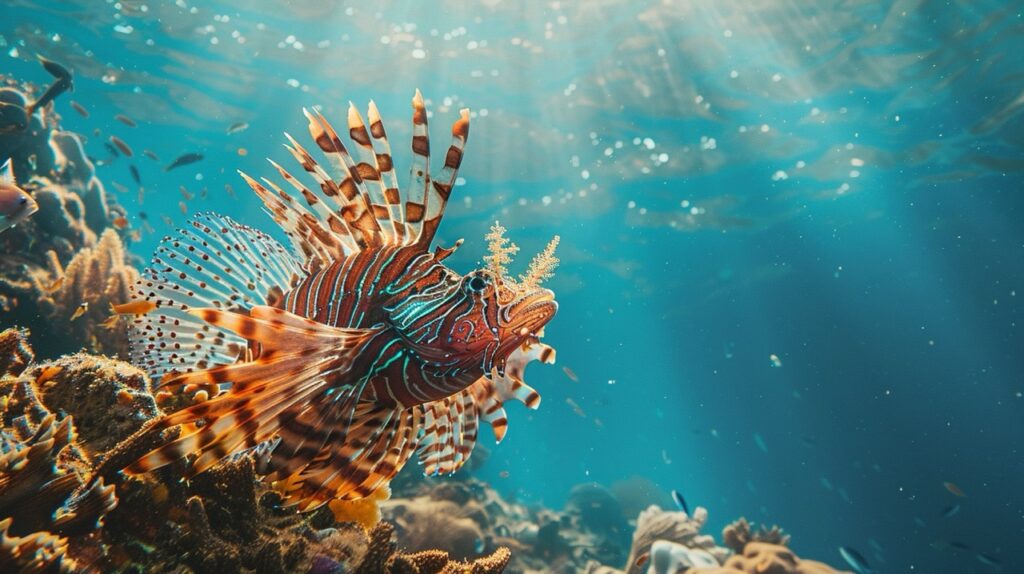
[[22, 200], [477, 283]]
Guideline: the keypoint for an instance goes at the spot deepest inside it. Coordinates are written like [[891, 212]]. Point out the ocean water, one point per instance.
[[792, 251]]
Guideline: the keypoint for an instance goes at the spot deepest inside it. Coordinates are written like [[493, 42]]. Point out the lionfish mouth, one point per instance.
[[531, 312]]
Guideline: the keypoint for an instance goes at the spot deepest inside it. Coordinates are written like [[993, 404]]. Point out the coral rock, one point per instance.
[[15, 352], [740, 533], [39, 553], [656, 524], [765, 558]]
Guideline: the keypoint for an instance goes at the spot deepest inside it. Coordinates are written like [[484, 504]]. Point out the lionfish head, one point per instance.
[[479, 319]]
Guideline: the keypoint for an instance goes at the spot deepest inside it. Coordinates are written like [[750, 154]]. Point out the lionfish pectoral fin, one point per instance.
[[378, 441], [451, 424], [300, 361]]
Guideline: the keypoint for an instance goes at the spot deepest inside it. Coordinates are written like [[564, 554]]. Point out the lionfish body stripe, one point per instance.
[[354, 350]]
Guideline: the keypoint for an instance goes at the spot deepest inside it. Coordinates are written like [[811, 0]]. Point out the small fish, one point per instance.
[[775, 360], [204, 192], [143, 216], [760, 443], [54, 285], [111, 322], [954, 489], [230, 191], [80, 310], [150, 154], [958, 545], [989, 560], [16, 205], [113, 150], [576, 408], [125, 120], [120, 222], [569, 373], [243, 152], [48, 373], [185, 193], [167, 220], [56, 70], [135, 174], [642, 559], [503, 474], [119, 144], [135, 235], [855, 560], [677, 497], [80, 109], [62, 83], [183, 208], [119, 187], [237, 127], [951, 510], [184, 160], [137, 307]]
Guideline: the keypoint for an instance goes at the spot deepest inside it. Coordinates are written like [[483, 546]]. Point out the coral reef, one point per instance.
[[97, 277], [72, 230], [70, 425], [655, 524]]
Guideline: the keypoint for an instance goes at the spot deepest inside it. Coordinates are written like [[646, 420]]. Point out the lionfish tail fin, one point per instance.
[[451, 424], [295, 361], [361, 206]]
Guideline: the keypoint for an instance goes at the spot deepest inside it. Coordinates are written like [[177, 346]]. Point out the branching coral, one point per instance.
[[501, 249], [738, 534], [542, 266], [95, 279]]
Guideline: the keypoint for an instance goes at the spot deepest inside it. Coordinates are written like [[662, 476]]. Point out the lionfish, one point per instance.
[[355, 350]]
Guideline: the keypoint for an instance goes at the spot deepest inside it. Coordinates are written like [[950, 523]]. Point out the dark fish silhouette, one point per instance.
[[239, 127], [125, 120], [135, 174], [184, 160], [150, 154], [110, 148], [989, 560], [677, 497], [122, 146], [951, 510], [63, 83]]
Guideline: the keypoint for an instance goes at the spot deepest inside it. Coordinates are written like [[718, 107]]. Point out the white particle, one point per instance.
[[419, 53]]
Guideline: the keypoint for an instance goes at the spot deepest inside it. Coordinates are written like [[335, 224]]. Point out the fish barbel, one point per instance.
[[356, 349]]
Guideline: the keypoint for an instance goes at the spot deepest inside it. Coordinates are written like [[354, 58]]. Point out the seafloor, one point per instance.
[[71, 423]]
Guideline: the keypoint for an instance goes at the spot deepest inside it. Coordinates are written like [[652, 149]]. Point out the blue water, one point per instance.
[[832, 184]]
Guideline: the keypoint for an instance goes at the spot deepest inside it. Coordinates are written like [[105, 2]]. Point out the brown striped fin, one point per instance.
[[370, 174], [299, 360], [451, 424], [419, 173], [386, 167], [358, 207], [376, 445], [439, 188]]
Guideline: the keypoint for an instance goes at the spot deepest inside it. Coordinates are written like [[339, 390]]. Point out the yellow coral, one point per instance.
[[364, 511], [502, 250], [542, 267], [99, 276]]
